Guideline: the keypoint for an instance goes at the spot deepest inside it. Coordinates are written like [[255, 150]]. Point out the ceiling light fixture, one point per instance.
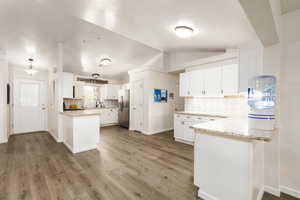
[[105, 61], [30, 71], [184, 31], [96, 75]]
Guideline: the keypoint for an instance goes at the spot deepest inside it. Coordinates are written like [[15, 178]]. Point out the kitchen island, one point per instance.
[[229, 160], [81, 130]]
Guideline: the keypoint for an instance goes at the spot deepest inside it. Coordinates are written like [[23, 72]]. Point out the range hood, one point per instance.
[[92, 81]]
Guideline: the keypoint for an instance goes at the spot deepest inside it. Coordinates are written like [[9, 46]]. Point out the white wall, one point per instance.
[[175, 60], [290, 109], [271, 66], [4, 109], [157, 117]]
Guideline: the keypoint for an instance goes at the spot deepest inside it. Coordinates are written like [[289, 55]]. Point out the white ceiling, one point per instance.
[[32, 28], [289, 5]]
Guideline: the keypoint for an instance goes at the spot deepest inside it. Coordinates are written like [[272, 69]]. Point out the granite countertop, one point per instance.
[[199, 114], [233, 127], [81, 113]]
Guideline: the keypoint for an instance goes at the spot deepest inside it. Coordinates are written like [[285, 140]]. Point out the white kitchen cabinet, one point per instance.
[[67, 86], [196, 82], [79, 92], [201, 83], [109, 116], [110, 91], [184, 86], [178, 127], [182, 127], [212, 82], [230, 80]]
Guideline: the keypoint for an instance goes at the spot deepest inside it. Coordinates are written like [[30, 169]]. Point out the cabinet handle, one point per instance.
[[182, 123], [222, 91]]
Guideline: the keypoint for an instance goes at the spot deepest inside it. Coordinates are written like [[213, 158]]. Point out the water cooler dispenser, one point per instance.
[[262, 102]]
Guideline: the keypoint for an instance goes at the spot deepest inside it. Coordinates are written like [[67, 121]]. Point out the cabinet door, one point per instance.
[[212, 82], [184, 85], [178, 127], [79, 92], [68, 83], [196, 83], [189, 134], [230, 80]]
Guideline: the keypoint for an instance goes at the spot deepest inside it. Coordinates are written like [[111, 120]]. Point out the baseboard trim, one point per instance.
[[3, 141], [157, 131], [290, 191], [55, 138], [184, 141], [206, 196], [261, 193], [272, 190]]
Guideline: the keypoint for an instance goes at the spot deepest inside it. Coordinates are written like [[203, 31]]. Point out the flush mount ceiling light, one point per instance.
[[184, 31], [30, 71], [105, 61]]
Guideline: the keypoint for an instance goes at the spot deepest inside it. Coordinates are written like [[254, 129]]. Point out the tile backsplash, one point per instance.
[[229, 106]]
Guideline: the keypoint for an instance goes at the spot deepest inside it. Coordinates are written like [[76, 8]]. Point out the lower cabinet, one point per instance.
[[183, 131], [109, 116]]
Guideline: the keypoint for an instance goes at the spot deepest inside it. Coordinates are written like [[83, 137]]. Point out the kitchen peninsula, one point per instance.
[[229, 160], [81, 129]]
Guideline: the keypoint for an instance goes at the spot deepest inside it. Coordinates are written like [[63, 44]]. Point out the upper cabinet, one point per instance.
[[230, 80], [224, 78], [68, 84], [110, 91], [184, 86], [202, 83]]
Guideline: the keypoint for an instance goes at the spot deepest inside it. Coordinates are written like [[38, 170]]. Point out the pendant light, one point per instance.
[[30, 71]]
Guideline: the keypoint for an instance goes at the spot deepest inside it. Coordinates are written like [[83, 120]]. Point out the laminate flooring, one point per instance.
[[129, 166]]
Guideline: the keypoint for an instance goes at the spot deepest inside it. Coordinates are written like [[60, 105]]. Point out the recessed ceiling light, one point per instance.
[[105, 61], [184, 31]]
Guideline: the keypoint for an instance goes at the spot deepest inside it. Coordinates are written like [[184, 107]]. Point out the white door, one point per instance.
[[184, 85], [213, 81], [137, 117], [230, 79], [30, 106]]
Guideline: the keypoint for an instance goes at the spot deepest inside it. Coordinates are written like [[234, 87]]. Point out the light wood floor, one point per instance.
[[129, 166]]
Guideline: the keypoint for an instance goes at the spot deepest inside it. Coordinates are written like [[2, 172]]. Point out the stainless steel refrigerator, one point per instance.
[[124, 103]]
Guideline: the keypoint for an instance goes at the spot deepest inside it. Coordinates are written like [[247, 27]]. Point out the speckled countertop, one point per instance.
[[235, 128], [81, 113], [198, 114]]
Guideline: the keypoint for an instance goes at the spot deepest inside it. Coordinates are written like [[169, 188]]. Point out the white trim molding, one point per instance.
[[272, 190], [206, 196], [261, 193], [290, 191], [157, 131]]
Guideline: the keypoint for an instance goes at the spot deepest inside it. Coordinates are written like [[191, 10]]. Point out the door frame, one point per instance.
[[44, 86]]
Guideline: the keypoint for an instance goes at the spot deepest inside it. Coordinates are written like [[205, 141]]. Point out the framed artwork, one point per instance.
[[160, 96]]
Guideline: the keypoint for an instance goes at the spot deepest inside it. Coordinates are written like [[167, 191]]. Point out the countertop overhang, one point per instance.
[[81, 113], [232, 127]]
